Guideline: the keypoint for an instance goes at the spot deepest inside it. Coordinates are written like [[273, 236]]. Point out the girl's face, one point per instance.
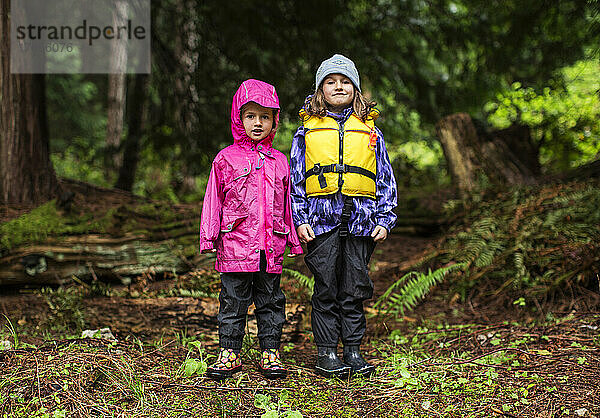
[[258, 121], [338, 91]]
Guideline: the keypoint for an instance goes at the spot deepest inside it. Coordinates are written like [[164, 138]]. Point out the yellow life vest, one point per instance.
[[340, 158]]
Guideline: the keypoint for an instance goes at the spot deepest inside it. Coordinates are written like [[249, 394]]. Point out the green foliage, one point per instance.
[[453, 56], [195, 366], [529, 237], [479, 246], [156, 174], [81, 162], [77, 121], [76, 113], [405, 293], [418, 60], [273, 409], [564, 117], [418, 163]]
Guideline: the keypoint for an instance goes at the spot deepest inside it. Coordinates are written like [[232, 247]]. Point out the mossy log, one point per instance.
[[103, 234], [96, 256]]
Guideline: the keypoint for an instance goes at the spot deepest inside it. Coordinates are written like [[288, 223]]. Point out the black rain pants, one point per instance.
[[340, 265], [238, 291]]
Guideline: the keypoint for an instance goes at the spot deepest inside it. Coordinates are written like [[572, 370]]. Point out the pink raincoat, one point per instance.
[[249, 186]]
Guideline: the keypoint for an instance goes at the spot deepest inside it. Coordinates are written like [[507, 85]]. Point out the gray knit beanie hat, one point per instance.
[[338, 64]]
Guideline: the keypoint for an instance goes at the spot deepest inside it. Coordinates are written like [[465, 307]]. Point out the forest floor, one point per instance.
[[445, 358]]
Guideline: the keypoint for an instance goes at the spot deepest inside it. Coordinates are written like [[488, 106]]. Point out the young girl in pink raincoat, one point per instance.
[[246, 218]]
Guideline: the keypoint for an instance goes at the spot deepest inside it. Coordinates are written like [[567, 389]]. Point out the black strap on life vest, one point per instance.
[[345, 217], [318, 170]]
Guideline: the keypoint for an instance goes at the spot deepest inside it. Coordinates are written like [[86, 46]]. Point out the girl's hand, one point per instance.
[[305, 233], [379, 233]]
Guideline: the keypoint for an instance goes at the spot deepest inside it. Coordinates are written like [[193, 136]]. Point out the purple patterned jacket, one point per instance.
[[323, 213]]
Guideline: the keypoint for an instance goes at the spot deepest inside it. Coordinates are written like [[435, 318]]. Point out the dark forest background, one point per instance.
[[532, 64]]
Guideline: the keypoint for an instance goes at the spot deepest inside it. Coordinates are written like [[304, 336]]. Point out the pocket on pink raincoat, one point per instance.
[[233, 239]]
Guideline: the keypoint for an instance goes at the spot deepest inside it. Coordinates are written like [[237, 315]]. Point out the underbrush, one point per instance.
[[468, 370], [526, 246], [535, 239], [47, 221]]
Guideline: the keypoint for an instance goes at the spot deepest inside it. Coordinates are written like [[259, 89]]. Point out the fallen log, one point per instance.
[[93, 256], [106, 235]]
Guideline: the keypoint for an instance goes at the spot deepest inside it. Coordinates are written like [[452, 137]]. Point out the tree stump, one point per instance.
[[504, 157]]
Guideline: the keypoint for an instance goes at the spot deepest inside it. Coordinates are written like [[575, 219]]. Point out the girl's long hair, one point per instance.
[[316, 105]]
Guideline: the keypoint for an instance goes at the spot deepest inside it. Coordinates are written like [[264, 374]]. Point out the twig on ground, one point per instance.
[[502, 413]]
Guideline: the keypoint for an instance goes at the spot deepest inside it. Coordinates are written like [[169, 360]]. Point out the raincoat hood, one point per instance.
[[261, 93]]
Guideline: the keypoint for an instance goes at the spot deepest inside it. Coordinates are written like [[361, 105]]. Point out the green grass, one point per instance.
[[420, 372]]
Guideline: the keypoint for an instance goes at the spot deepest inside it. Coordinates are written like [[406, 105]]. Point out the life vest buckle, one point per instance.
[[318, 171], [339, 168]]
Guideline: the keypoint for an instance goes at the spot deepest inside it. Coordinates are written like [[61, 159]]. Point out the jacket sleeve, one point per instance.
[[210, 220], [298, 187], [292, 239], [387, 191]]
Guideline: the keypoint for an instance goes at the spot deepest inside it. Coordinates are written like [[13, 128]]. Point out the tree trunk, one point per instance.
[[186, 51], [503, 157], [26, 173], [116, 89], [138, 104]]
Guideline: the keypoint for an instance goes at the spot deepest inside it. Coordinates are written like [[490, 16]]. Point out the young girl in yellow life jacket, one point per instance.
[[343, 196]]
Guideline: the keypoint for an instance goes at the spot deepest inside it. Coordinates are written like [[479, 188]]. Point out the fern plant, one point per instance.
[[406, 292], [529, 237], [303, 280]]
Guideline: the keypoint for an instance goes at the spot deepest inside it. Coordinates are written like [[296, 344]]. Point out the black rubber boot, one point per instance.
[[329, 364], [356, 362]]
